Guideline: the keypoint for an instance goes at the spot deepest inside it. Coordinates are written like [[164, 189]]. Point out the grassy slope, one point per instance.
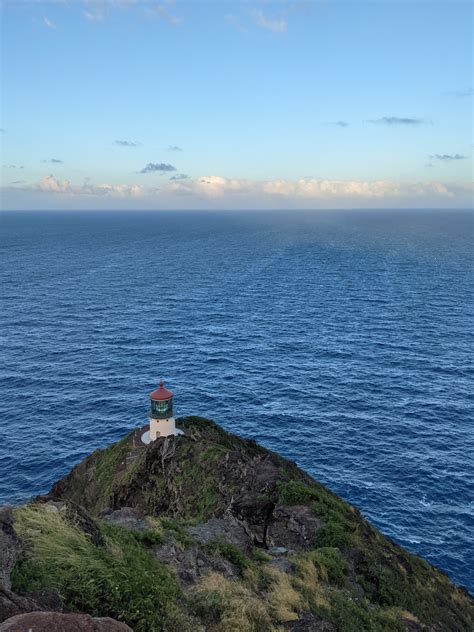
[[353, 576]]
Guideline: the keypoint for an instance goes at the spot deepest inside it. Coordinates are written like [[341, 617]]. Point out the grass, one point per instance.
[[120, 580], [229, 551], [175, 528], [224, 605], [330, 564]]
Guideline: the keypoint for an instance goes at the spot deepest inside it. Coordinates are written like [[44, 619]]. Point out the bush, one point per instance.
[[230, 551], [334, 534], [295, 493]]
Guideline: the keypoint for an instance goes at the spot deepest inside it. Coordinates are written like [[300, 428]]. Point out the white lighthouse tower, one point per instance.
[[160, 415]]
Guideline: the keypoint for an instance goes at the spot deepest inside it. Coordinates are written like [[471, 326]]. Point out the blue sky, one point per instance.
[[236, 104]]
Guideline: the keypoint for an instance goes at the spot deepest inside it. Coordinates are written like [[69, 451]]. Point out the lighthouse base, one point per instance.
[[161, 428]]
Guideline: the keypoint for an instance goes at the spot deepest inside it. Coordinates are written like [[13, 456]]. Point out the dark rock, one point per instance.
[[167, 552], [283, 564], [293, 527], [58, 622], [216, 563], [12, 604], [228, 529], [10, 546], [277, 551], [46, 600], [192, 563], [309, 622], [126, 517], [412, 626]]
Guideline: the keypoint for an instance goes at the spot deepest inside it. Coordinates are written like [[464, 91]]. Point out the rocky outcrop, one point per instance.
[[235, 538], [227, 528], [12, 604], [192, 563], [127, 518], [56, 622], [293, 527]]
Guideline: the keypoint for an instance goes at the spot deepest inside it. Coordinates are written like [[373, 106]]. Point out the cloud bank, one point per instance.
[[307, 188], [207, 192], [49, 184]]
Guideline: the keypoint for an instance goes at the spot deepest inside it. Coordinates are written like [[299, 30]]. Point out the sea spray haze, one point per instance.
[[340, 340]]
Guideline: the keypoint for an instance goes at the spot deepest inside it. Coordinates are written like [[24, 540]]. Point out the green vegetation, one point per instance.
[[338, 522], [177, 530], [108, 461], [354, 615], [229, 551], [330, 564], [120, 580], [295, 493]]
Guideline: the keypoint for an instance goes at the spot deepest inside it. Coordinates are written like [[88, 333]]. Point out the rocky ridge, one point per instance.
[[208, 531]]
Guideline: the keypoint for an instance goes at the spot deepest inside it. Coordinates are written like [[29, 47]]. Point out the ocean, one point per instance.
[[341, 340]]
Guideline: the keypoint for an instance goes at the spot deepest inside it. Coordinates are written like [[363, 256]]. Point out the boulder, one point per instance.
[[12, 604], [126, 517], [58, 622], [228, 529]]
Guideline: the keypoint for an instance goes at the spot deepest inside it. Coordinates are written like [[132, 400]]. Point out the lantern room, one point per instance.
[[161, 400]]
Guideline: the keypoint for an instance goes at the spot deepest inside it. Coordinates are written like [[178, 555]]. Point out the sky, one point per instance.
[[161, 104]]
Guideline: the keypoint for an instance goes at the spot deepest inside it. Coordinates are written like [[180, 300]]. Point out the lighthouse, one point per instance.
[[160, 415]]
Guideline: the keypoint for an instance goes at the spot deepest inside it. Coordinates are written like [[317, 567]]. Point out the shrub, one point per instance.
[[295, 493], [230, 551], [334, 534]]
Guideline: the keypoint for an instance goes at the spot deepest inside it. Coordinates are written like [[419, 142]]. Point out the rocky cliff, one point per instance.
[[208, 531]]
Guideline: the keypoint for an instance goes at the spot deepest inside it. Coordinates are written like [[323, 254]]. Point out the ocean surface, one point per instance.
[[342, 340]]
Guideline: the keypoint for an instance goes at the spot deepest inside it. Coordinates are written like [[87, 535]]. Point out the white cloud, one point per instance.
[[276, 25], [237, 193], [48, 23], [96, 10], [49, 184], [307, 188]]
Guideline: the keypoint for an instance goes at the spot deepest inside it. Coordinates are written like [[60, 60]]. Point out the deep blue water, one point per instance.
[[341, 340]]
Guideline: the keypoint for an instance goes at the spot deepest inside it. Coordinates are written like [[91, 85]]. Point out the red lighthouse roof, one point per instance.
[[161, 393]]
